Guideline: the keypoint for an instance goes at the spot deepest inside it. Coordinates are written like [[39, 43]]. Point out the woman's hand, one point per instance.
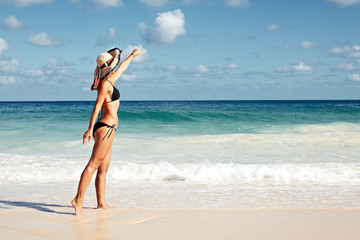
[[137, 52], [124, 65], [87, 135]]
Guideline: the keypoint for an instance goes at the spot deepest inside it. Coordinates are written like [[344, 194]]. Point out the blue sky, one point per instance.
[[193, 49]]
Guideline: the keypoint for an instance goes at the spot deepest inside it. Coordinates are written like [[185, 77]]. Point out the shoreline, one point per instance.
[[52, 221], [179, 195]]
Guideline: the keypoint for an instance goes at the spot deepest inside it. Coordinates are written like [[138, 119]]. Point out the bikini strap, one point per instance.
[[110, 82], [111, 129]]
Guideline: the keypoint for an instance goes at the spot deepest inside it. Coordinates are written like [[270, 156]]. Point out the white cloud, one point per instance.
[[307, 45], [273, 27], [108, 3], [34, 73], [298, 67], [169, 26], [347, 51], [237, 3], [345, 3], [9, 66], [354, 77], [171, 68], [111, 33], [142, 25], [97, 5], [347, 67], [3, 45], [12, 23], [232, 66], [154, 3], [25, 3], [141, 67], [55, 70], [55, 66], [43, 39], [128, 77], [202, 69], [287, 47], [6, 80], [106, 38], [141, 58]]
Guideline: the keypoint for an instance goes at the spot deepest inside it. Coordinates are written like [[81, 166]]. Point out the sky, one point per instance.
[[192, 49]]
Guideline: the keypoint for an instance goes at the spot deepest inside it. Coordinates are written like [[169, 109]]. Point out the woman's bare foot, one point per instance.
[[77, 206], [103, 206]]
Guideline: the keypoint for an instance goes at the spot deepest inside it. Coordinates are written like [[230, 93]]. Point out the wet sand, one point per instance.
[[35, 220]]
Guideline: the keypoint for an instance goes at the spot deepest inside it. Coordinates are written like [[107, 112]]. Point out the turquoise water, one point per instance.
[[175, 148], [251, 132], [29, 127], [68, 119]]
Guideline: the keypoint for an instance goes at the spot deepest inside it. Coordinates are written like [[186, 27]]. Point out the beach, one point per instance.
[[185, 170], [28, 220], [43, 211]]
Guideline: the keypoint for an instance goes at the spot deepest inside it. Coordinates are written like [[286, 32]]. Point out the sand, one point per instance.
[[35, 220]]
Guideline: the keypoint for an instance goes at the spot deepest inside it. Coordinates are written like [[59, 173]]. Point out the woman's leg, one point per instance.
[[100, 181], [100, 151]]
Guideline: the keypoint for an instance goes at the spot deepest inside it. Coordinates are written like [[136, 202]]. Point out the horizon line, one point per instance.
[[187, 100]]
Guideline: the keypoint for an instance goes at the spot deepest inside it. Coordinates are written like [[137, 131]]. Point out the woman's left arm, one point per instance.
[[124, 65], [102, 90]]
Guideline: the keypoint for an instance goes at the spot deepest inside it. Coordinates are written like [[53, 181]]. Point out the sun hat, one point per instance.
[[107, 63]]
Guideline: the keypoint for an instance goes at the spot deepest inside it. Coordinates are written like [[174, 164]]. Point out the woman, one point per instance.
[[107, 72]]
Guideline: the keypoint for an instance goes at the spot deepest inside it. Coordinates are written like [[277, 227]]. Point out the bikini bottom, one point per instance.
[[101, 124]]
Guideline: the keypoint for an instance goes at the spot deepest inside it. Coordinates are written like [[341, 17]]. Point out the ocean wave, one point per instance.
[[22, 168], [330, 173]]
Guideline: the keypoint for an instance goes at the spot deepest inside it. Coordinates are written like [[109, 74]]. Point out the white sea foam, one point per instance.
[[241, 148], [242, 173], [308, 143], [22, 168]]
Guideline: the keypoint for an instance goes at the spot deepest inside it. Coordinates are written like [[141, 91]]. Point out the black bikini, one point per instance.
[[101, 124], [115, 96]]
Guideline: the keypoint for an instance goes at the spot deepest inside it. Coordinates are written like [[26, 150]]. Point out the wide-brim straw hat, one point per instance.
[[107, 63]]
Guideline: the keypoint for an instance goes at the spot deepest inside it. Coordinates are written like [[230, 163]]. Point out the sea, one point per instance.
[[189, 154]]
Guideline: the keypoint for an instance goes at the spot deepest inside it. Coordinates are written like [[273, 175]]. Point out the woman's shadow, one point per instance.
[[43, 207]]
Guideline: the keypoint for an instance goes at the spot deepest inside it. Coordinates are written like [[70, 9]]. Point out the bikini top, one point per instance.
[[115, 95]]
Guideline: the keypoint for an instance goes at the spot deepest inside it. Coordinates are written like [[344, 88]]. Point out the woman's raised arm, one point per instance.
[[124, 65]]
